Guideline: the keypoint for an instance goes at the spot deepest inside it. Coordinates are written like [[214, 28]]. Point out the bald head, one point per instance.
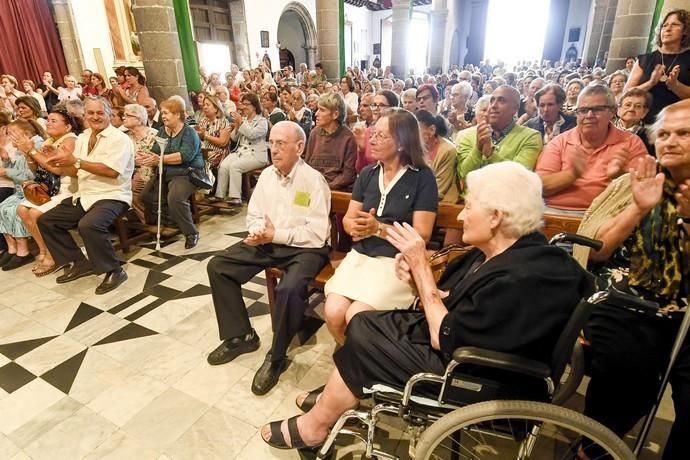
[[287, 141], [292, 130], [510, 93], [150, 105]]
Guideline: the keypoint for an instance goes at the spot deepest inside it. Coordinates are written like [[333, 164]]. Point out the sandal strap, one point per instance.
[[277, 434], [295, 438]]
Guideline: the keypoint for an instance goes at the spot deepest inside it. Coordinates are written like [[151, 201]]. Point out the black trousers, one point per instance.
[[230, 269], [628, 355], [5, 192], [93, 227], [176, 193]]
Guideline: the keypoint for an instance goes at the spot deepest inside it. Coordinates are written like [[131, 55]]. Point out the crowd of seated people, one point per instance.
[[483, 136]]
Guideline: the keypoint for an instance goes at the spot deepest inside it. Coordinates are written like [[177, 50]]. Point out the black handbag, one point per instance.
[[199, 178]]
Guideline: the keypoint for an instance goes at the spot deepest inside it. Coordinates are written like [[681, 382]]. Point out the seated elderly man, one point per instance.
[[103, 163], [288, 226], [498, 138], [577, 165], [550, 120], [643, 219], [483, 299], [364, 110]]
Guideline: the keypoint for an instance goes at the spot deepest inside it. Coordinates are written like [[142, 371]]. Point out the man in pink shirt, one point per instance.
[[577, 165]]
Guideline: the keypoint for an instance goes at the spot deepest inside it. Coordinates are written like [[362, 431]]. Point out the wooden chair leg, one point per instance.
[[121, 227]]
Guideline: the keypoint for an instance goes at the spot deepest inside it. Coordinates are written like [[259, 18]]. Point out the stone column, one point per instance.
[[400, 36], [311, 56], [595, 29], [239, 34], [328, 31], [64, 19], [631, 31], [605, 39], [439, 18], [160, 48]]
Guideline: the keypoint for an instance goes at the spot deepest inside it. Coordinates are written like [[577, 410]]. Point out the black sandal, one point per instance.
[[310, 401], [278, 440]]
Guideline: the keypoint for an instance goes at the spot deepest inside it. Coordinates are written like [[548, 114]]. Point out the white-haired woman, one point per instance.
[[483, 299], [143, 137]]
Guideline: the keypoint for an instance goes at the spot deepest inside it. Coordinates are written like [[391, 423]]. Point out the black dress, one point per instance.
[[517, 302], [661, 95]]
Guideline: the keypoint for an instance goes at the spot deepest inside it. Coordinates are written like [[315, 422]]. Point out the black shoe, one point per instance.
[[191, 240], [268, 374], [111, 281], [74, 271], [4, 258], [232, 348], [17, 261]]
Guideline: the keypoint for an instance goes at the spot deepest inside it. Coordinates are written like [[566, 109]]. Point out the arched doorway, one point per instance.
[[297, 34]]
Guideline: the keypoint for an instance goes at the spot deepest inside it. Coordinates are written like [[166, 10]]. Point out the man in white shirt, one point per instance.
[[288, 226], [102, 162]]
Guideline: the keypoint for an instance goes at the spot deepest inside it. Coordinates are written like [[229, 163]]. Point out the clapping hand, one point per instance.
[[578, 160], [657, 73], [62, 158], [365, 225], [484, 143], [22, 141], [411, 245], [683, 199], [673, 77], [618, 164], [264, 236], [646, 184]]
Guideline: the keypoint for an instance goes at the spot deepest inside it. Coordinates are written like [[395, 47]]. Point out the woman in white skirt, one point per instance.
[[399, 187], [62, 130]]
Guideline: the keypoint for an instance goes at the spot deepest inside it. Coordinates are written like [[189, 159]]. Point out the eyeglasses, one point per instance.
[[423, 98], [379, 106], [596, 110], [377, 135]]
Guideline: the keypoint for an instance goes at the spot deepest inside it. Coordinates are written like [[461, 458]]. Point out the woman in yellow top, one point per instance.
[[442, 155]]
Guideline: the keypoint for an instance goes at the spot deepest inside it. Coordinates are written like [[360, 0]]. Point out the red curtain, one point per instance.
[[29, 40]]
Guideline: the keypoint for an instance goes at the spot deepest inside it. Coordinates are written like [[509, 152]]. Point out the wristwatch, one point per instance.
[[379, 230], [77, 164]]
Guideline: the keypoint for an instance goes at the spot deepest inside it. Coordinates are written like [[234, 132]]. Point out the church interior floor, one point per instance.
[[124, 375]]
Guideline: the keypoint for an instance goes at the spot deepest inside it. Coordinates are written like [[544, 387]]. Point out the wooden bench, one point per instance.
[[446, 218], [131, 231]]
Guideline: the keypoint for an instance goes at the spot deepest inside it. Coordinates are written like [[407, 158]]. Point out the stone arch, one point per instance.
[[308, 28]]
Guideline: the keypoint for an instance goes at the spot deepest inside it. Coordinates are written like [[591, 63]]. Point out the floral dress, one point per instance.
[[18, 170]]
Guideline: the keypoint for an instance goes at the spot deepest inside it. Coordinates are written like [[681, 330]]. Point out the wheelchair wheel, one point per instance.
[[518, 430], [572, 376]]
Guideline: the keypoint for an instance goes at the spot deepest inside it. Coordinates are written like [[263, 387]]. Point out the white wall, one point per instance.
[[91, 23], [292, 38], [265, 15], [578, 16], [361, 19]]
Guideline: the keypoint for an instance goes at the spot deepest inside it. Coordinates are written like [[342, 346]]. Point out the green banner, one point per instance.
[[655, 22], [341, 39], [190, 61]]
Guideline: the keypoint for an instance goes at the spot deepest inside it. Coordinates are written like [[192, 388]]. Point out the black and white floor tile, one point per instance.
[[124, 375]]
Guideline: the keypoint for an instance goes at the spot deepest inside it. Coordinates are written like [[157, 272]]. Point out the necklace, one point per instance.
[[664, 75]]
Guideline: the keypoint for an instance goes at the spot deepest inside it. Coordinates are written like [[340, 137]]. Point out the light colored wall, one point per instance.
[[578, 16], [265, 15], [361, 19], [91, 25], [291, 37]]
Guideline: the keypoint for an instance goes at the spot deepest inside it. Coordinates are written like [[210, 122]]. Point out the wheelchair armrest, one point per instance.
[[502, 361]]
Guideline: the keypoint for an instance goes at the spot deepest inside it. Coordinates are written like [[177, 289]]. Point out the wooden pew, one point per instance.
[[446, 218]]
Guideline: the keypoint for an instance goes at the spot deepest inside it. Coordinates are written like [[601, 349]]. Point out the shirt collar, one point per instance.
[[408, 166], [499, 135], [333, 134], [291, 175]]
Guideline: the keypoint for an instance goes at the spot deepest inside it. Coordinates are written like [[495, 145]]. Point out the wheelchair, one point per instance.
[[492, 405]]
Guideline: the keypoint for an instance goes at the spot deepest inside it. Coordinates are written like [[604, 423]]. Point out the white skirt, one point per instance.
[[370, 280]]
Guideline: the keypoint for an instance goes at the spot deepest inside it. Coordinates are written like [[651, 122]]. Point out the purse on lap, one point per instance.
[[36, 192]]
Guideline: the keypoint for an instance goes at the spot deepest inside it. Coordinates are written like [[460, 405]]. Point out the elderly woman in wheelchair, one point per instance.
[[512, 293]]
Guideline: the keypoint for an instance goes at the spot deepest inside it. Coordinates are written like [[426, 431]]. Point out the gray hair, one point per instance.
[[653, 130], [107, 108], [411, 92], [335, 103], [299, 93], [494, 188], [598, 90], [139, 111], [482, 103], [464, 87]]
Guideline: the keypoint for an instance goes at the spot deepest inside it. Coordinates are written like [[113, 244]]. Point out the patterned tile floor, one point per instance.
[[124, 375]]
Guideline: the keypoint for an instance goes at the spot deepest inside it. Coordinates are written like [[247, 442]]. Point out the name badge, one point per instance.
[[302, 199]]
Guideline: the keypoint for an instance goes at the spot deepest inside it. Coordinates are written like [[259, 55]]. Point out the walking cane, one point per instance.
[[647, 425], [162, 143]]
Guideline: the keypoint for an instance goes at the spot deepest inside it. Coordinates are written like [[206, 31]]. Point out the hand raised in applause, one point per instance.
[[647, 186]]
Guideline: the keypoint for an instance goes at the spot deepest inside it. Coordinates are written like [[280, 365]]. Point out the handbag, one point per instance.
[[200, 178], [36, 192]]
